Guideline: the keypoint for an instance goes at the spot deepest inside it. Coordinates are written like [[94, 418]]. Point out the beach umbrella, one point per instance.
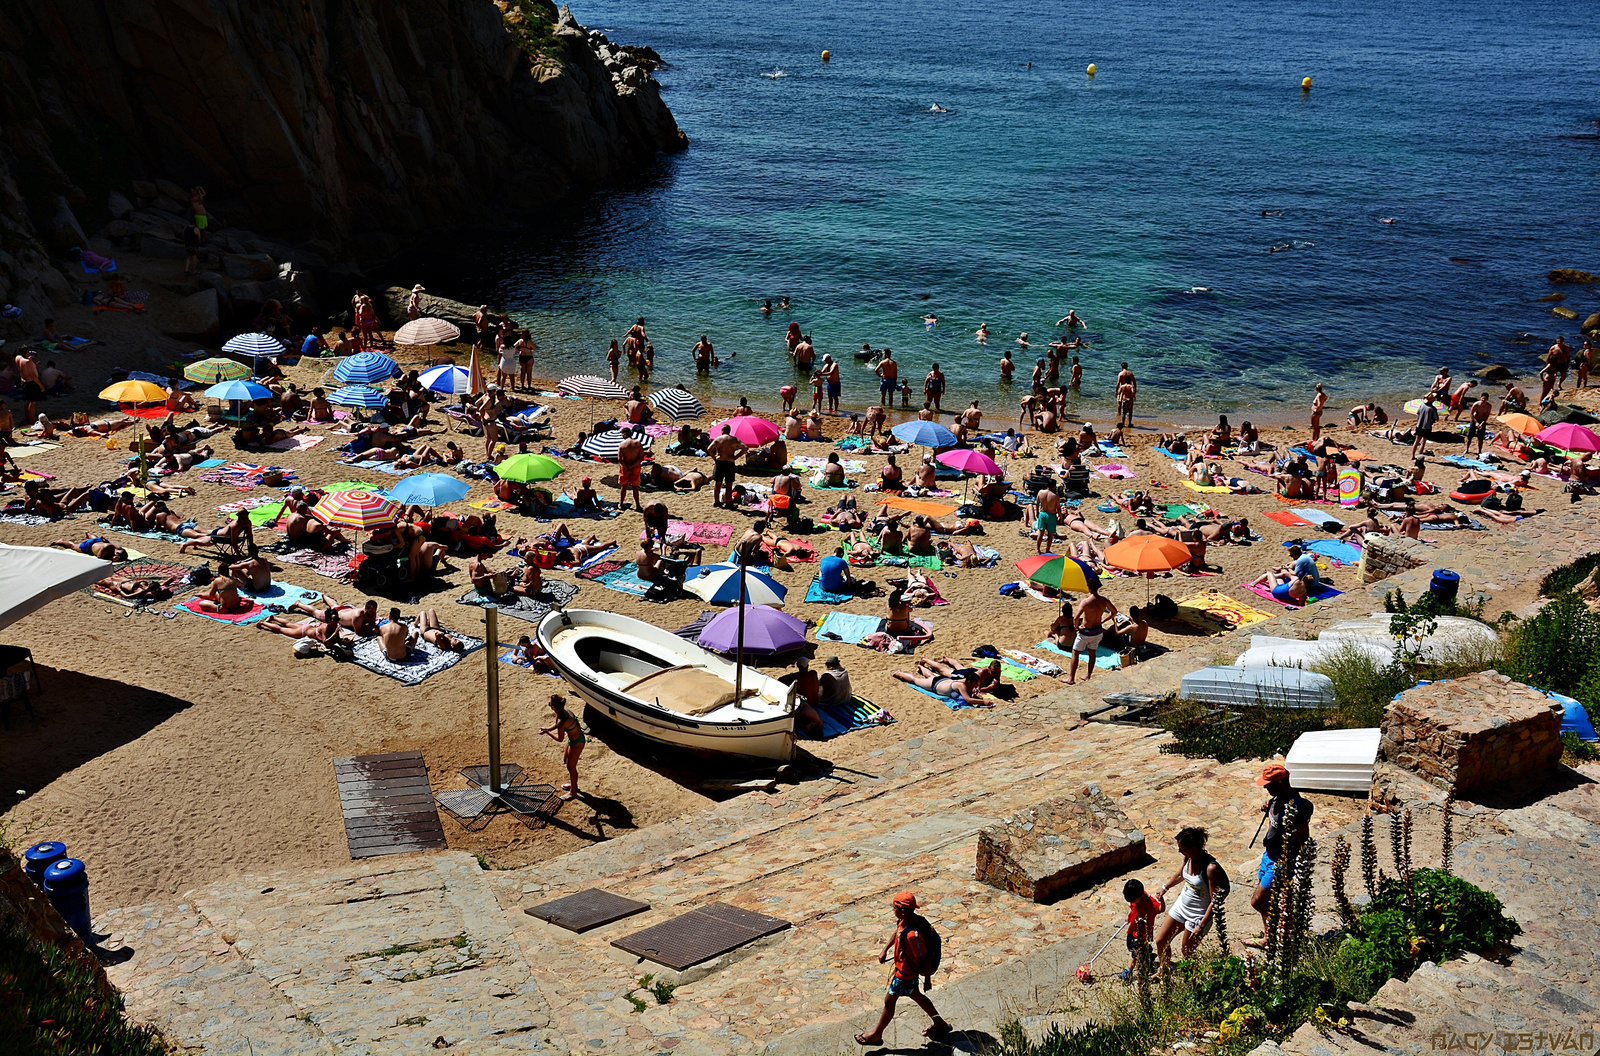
[[238, 390], [525, 469], [364, 368], [605, 445], [767, 631], [1147, 555], [1566, 436], [429, 489], [211, 371], [1525, 424], [31, 577], [450, 379], [357, 396], [427, 331], [1413, 406], [969, 461], [719, 584], [924, 434], [1063, 573], [747, 429], [134, 392], [361, 510], [254, 345], [589, 385], [475, 371], [676, 403]]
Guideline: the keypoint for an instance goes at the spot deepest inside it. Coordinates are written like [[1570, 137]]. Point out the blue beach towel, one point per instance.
[[1468, 463], [847, 627], [953, 703], [1103, 657], [817, 596], [1344, 553], [1169, 454], [839, 719]]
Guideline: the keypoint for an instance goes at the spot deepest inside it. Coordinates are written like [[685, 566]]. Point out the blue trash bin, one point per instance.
[[1445, 585], [67, 884], [39, 857]]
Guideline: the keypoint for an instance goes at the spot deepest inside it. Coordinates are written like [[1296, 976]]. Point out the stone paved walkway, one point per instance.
[[390, 956]]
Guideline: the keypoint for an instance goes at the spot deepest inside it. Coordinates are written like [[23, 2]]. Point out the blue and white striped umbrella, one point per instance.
[[719, 584], [255, 345], [357, 396], [605, 445], [448, 379], [238, 390], [364, 368]]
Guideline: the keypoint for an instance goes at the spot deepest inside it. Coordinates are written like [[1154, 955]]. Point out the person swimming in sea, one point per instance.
[[1272, 212], [766, 308], [937, 109], [930, 321], [983, 333]]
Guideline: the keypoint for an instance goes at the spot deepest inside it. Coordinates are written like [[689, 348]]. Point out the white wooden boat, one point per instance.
[[1333, 760], [1266, 651], [666, 689], [1452, 636], [1277, 687]]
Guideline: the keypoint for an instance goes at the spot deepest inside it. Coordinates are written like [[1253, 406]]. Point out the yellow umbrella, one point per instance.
[[134, 392], [1526, 424]]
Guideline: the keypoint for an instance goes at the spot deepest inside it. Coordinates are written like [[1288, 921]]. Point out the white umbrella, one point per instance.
[[589, 385], [720, 584], [254, 345], [31, 577], [677, 403], [427, 331]]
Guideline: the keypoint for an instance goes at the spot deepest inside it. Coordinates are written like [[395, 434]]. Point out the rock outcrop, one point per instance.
[[357, 123]]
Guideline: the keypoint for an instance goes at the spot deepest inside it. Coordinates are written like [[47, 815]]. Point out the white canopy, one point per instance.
[[31, 577]]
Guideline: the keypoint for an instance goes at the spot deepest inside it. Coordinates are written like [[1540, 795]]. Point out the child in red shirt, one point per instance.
[[1142, 912]]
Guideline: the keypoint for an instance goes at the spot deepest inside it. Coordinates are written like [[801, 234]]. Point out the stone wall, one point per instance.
[[1384, 555], [1052, 846], [1471, 733]]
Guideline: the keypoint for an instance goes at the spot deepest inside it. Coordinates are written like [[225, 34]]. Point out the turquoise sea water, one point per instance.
[[1472, 124]]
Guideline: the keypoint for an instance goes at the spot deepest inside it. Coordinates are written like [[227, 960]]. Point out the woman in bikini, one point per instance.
[[891, 477], [94, 546], [1284, 586], [899, 621], [929, 676], [567, 727]]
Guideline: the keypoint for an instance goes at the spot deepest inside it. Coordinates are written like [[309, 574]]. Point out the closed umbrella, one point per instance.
[[747, 429], [605, 445], [254, 345], [364, 368], [767, 631], [238, 390], [361, 510], [429, 489], [211, 371], [1569, 437], [526, 469], [1147, 555], [357, 396], [924, 434], [719, 584], [1063, 573], [450, 379], [134, 392], [676, 403], [591, 386], [427, 331]]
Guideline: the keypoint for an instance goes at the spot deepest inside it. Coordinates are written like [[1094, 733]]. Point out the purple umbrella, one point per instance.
[[767, 631]]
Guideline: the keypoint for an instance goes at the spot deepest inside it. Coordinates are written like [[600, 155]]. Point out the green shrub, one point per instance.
[[1256, 733], [1447, 917], [52, 1007], [532, 25], [1566, 577], [1362, 686], [1091, 1039], [1559, 649], [1577, 750]]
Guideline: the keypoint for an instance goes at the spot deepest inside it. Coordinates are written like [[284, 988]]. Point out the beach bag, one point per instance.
[[342, 652], [931, 941], [1512, 502], [544, 555], [1163, 608]]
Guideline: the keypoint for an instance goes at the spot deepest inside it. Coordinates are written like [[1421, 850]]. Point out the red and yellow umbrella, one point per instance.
[[361, 510], [1063, 573]]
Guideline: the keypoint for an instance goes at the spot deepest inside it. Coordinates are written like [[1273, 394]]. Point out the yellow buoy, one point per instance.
[[1305, 84], [826, 55], [1090, 70]]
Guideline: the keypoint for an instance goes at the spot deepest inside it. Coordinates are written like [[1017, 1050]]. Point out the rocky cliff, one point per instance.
[[349, 124]]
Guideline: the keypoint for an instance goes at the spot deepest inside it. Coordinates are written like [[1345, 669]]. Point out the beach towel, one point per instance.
[[554, 594], [1016, 673], [1179, 509], [565, 507], [847, 627], [31, 520], [625, 580], [1111, 450], [814, 486], [1339, 553], [1169, 454], [267, 514], [334, 566], [932, 509], [252, 613], [1349, 487], [1115, 471], [933, 561], [1215, 612], [858, 714], [1028, 661], [38, 447], [1287, 519], [1468, 463], [209, 463], [1104, 656], [509, 657], [817, 596], [1318, 517], [283, 595], [953, 703], [424, 660], [812, 463], [302, 442], [590, 562], [1322, 594], [594, 570], [230, 508], [690, 631], [491, 505], [381, 467], [165, 537], [167, 578], [702, 533], [106, 264], [350, 485]]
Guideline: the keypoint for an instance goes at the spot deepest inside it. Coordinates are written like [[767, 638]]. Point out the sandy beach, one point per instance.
[[171, 749]]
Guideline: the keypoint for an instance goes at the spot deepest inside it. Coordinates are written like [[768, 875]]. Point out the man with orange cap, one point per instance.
[[913, 937], [1283, 836]]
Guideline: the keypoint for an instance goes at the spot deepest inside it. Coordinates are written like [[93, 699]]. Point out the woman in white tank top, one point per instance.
[[1202, 880]]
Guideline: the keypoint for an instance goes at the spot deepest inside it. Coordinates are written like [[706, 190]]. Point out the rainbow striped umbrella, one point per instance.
[[215, 370], [361, 510], [1063, 573]]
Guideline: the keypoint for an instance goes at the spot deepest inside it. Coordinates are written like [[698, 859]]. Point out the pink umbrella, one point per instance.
[[1569, 437], [747, 429], [969, 461]]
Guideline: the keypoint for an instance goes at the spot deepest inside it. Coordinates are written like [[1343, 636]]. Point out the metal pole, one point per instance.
[[738, 668], [491, 626]]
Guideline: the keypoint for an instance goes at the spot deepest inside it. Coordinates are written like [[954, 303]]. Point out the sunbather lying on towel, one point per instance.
[[325, 629], [178, 461], [530, 653], [94, 546], [304, 530], [238, 533], [362, 621], [942, 680], [1284, 585], [1369, 525], [221, 596]]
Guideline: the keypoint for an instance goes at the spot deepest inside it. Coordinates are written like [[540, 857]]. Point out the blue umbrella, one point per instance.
[[429, 489], [238, 390], [357, 396], [254, 345], [448, 379], [364, 368], [924, 434]]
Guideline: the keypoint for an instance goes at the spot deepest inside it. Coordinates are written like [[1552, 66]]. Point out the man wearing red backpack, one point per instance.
[[917, 950]]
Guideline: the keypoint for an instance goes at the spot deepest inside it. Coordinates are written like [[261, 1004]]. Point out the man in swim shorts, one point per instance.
[[888, 372], [725, 451], [630, 453], [1089, 619]]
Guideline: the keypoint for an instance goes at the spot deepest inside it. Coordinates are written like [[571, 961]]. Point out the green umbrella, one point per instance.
[[525, 469], [1063, 573], [215, 370]]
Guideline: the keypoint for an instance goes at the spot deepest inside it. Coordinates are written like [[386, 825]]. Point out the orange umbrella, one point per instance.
[[475, 373], [1148, 554]]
